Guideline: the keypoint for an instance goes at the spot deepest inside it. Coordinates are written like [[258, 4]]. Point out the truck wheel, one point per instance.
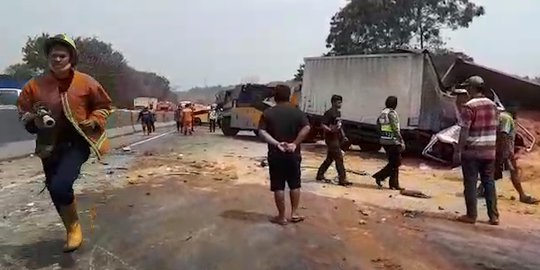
[[197, 121], [370, 147], [226, 127]]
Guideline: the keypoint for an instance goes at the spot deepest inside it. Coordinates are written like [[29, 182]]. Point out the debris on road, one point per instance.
[[364, 212], [411, 213], [414, 193], [386, 264]]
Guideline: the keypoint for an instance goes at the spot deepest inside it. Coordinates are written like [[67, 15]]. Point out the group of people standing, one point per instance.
[[284, 127], [147, 117], [185, 118], [486, 147], [390, 139]]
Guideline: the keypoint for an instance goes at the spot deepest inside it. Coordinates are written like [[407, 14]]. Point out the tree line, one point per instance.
[[100, 60], [382, 26]]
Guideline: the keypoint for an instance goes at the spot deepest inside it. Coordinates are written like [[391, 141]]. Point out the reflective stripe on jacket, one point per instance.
[[85, 99], [389, 128]]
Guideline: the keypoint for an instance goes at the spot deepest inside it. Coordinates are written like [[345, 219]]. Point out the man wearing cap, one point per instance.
[[476, 149], [80, 107]]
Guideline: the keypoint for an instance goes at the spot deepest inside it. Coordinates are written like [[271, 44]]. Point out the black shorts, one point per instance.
[[504, 164], [284, 168]]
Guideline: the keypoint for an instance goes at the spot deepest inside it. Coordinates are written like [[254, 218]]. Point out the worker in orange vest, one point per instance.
[[75, 107], [178, 117], [187, 119]]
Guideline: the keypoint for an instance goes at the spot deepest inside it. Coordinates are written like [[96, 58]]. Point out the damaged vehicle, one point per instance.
[[426, 106]]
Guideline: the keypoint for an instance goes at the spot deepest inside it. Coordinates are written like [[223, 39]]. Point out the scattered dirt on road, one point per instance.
[[202, 202]]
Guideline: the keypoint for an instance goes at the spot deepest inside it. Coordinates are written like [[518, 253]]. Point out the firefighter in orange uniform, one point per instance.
[[79, 107], [187, 120]]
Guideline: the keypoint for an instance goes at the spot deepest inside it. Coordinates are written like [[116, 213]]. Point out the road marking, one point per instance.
[[91, 265], [151, 139]]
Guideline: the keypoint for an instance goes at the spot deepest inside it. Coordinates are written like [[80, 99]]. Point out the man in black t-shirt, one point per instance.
[[284, 127], [334, 135]]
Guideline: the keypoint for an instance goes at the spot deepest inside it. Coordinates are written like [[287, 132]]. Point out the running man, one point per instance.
[[80, 107]]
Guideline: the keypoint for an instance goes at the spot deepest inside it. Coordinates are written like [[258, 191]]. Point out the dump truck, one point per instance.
[[241, 107]]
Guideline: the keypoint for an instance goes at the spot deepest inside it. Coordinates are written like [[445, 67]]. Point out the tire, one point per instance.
[[370, 147], [197, 121], [226, 127]]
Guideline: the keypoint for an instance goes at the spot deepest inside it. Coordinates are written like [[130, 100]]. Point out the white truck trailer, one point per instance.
[[141, 102], [365, 81]]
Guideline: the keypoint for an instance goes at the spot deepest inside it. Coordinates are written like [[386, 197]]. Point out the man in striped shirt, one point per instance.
[[477, 147]]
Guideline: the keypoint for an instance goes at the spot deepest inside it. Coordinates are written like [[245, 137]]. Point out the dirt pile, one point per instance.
[[529, 163], [150, 167]]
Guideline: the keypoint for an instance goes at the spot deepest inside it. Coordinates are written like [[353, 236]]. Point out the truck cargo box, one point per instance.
[[365, 81]]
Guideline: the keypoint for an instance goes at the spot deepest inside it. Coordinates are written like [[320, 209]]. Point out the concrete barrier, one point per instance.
[[15, 141]]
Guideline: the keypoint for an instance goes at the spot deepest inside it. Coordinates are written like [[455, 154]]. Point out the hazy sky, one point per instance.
[[223, 41]]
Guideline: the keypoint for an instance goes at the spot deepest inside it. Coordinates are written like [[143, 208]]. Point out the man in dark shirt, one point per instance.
[[284, 127], [334, 135], [145, 116]]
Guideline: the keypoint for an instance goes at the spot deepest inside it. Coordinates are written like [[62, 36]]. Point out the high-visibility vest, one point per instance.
[[385, 126]]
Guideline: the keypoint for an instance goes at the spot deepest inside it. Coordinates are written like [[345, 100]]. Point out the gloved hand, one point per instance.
[[28, 116], [88, 123]]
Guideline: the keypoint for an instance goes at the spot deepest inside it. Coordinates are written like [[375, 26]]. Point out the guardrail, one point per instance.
[[11, 129]]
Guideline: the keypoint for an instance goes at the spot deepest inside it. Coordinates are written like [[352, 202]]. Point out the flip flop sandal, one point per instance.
[[297, 219], [278, 221], [466, 219], [530, 200]]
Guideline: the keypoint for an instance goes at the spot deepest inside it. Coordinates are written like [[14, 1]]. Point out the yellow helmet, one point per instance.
[[62, 39]]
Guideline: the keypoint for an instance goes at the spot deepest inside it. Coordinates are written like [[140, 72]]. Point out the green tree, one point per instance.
[[299, 76], [33, 53], [21, 72], [374, 26], [105, 64]]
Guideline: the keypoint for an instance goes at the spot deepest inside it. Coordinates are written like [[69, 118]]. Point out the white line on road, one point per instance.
[[151, 139]]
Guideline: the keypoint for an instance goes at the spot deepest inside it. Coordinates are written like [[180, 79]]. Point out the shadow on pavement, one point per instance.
[[249, 138], [246, 216], [37, 255]]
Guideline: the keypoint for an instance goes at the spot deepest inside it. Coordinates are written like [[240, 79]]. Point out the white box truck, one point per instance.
[[365, 81], [141, 102]]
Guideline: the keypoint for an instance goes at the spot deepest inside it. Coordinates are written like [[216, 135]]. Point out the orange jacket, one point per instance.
[[84, 99], [187, 115]]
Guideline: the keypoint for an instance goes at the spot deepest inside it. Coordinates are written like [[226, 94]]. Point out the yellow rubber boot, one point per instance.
[[70, 218]]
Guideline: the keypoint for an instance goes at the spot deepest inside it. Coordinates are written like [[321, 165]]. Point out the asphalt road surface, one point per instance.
[[202, 202]]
